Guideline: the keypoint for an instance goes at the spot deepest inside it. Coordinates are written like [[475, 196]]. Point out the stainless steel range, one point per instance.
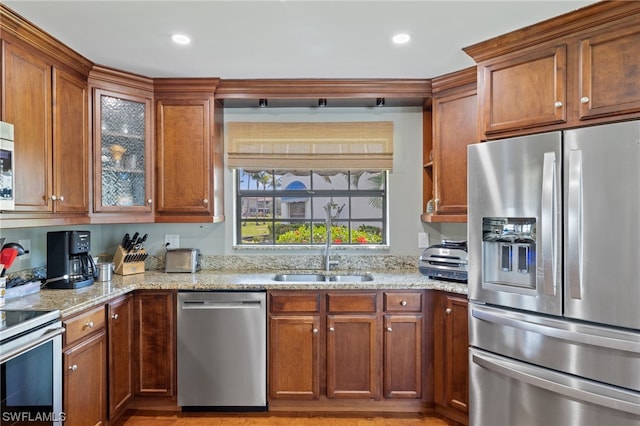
[[30, 367]]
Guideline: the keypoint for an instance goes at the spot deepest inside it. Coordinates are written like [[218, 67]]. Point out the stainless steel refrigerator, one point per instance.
[[554, 278]]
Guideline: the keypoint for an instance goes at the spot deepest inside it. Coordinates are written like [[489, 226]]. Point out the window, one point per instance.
[[275, 207]]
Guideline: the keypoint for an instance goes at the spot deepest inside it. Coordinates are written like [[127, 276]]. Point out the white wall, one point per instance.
[[405, 194]]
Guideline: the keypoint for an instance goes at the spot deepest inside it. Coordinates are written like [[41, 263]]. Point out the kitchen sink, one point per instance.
[[351, 277], [314, 277], [299, 277]]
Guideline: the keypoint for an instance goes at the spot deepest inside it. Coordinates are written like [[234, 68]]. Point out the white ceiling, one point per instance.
[[283, 38]]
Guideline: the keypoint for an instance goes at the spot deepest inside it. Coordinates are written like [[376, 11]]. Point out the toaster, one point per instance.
[[447, 261], [182, 260]]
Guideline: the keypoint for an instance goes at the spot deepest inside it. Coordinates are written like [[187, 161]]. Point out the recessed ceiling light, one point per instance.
[[180, 39], [401, 38]]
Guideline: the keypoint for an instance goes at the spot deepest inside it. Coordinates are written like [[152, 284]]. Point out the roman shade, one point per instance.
[[316, 146]]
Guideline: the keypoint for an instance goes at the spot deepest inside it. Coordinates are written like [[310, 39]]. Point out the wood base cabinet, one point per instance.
[[85, 369], [451, 357], [154, 343], [353, 345], [294, 345], [120, 342], [329, 346]]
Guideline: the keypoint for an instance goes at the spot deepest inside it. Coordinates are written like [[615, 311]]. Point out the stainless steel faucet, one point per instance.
[[328, 209]]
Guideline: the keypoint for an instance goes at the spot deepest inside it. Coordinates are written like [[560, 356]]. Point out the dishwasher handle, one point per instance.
[[217, 304]]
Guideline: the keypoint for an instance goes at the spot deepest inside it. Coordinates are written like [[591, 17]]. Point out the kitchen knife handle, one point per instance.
[[548, 274]]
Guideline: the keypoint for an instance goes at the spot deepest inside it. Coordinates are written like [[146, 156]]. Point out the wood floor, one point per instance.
[[150, 418]]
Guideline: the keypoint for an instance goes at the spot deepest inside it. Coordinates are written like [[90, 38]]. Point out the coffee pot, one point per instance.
[[69, 263]]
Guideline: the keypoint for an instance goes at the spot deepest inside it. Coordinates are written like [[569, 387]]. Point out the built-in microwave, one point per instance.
[[7, 167]]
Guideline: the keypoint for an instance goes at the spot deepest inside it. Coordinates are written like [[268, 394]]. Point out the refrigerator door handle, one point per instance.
[[534, 377], [548, 274], [521, 323], [574, 226]]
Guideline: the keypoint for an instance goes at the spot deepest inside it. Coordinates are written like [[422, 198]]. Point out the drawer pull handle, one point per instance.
[[89, 324], [74, 367], [403, 303], [115, 316], [558, 104], [448, 310]]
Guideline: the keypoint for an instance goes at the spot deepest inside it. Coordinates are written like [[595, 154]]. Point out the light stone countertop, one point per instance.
[[70, 302]]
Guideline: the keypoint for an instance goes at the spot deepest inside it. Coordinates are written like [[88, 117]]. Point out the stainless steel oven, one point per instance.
[[31, 368]]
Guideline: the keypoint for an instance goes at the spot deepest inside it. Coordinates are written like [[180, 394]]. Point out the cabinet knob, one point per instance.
[[205, 201], [73, 367], [585, 99], [403, 303], [61, 198], [115, 316], [315, 330], [448, 310], [89, 324], [149, 201], [558, 104], [332, 329], [389, 329], [53, 198]]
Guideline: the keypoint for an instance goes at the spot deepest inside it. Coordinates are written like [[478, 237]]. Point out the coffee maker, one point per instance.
[[69, 264]]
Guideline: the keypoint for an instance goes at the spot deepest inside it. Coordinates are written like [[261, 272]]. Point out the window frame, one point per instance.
[[273, 193]]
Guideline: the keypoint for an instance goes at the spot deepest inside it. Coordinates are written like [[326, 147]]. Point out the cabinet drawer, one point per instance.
[[84, 324], [403, 302], [287, 302], [351, 302]]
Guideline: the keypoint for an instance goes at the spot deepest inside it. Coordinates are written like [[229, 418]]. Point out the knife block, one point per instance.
[[129, 263]]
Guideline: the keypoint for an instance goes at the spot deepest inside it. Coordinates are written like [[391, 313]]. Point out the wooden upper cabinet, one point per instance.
[[579, 68], [70, 143], [27, 105], [524, 90], [610, 73], [189, 156], [48, 108], [454, 126], [123, 155], [183, 156]]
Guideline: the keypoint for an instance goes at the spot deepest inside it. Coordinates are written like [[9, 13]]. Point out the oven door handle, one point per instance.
[[47, 336]]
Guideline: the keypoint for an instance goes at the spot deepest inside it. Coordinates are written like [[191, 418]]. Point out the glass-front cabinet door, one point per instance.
[[122, 156]]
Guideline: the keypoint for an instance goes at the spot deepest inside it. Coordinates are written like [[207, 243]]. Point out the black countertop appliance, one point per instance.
[[69, 264]]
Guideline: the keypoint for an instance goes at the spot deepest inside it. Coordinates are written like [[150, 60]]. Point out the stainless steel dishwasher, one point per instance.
[[222, 351]]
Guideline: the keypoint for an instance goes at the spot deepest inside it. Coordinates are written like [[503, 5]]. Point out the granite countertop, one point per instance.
[[70, 302]]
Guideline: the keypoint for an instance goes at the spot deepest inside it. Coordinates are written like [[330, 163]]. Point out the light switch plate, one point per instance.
[[26, 244], [173, 240], [423, 239]]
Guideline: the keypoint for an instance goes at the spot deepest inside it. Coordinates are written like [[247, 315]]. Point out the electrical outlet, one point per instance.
[[173, 240], [423, 239], [26, 244]]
